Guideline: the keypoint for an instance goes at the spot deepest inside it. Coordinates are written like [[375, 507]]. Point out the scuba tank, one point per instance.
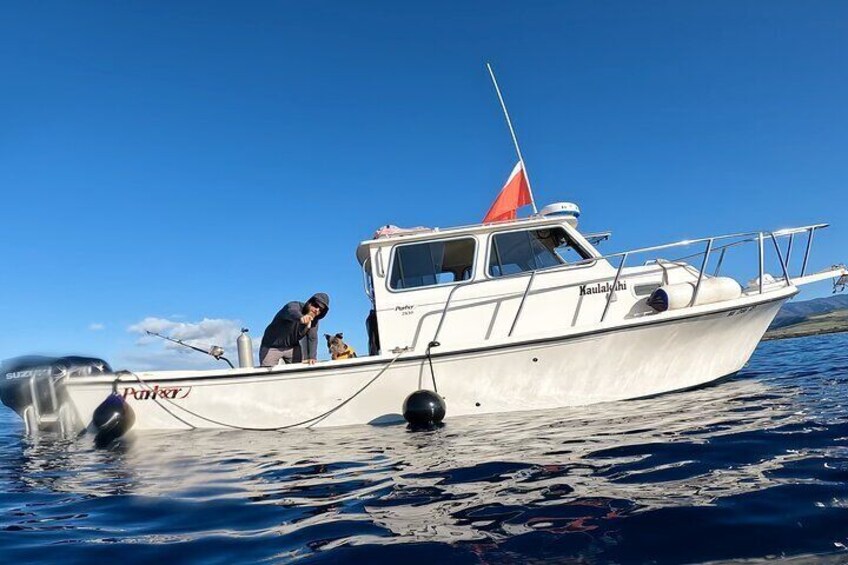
[[245, 349]]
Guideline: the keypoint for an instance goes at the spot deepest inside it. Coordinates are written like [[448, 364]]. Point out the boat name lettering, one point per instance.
[[28, 374], [740, 311], [166, 392], [599, 288]]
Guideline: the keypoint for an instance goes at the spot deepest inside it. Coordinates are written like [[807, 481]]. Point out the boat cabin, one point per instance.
[[491, 282]]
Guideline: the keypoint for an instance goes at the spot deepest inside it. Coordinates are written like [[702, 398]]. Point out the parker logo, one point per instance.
[[166, 392], [601, 288]]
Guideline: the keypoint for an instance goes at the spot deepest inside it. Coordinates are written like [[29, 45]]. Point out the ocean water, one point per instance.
[[752, 468]]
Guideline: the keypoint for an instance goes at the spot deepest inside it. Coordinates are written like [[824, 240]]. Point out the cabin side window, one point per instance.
[[432, 263], [530, 250]]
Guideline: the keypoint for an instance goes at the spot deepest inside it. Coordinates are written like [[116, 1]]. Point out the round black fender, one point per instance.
[[424, 408], [112, 419]]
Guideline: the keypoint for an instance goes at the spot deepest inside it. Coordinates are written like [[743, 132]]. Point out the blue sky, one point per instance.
[[216, 159]]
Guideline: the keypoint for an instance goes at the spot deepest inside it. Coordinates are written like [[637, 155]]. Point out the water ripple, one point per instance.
[[751, 468]]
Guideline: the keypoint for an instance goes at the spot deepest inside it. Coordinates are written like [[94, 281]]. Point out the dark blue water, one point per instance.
[[753, 468]]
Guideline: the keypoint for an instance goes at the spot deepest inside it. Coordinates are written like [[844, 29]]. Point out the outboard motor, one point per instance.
[[33, 386]]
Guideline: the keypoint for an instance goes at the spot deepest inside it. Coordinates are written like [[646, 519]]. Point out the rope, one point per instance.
[[430, 361], [313, 420]]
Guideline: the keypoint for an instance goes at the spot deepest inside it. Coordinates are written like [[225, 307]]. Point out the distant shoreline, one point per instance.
[[779, 333], [820, 324]]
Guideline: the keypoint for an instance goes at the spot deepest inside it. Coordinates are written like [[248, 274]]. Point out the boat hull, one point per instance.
[[607, 364]]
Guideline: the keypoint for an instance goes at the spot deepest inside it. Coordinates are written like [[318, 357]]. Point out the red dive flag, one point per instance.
[[514, 195]]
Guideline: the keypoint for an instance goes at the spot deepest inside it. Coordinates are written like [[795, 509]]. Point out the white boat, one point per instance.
[[500, 317]]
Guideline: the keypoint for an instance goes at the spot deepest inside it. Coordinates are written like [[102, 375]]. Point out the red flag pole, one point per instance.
[[514, 139]]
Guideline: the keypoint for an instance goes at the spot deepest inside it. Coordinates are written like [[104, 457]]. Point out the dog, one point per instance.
[[338, 348]]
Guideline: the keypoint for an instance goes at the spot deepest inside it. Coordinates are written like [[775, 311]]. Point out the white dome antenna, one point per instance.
[[569, 210]]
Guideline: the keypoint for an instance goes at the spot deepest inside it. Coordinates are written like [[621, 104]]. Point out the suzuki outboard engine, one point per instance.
[[33, 386]]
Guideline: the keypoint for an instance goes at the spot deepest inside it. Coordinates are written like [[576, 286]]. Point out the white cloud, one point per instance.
[[153, 353], [212, 330], [96, 327]]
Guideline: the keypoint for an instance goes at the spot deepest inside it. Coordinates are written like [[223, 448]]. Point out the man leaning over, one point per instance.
[[291, 324]]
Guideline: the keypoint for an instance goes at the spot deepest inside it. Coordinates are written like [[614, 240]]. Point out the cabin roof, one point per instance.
[[423, 234]]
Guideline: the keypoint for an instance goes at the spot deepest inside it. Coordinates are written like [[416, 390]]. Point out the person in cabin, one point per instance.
[[297, 320]]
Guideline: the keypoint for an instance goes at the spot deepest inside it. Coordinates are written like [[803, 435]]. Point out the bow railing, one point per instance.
[[732, 240]]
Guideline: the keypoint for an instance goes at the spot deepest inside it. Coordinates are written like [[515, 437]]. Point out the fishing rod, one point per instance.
[[215, 351]]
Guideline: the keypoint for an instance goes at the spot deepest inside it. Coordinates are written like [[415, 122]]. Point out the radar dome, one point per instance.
[[569, 210]]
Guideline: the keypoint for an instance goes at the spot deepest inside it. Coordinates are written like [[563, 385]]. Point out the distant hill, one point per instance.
[[832, 322], [797, 312]]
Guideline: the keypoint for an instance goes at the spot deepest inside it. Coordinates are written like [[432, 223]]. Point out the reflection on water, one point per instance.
[[753, 467]]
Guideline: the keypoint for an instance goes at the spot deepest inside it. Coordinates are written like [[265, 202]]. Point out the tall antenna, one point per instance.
[[514, 139]]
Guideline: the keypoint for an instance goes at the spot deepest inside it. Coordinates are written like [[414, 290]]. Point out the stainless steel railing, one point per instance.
[[367, 283], [742, 238]]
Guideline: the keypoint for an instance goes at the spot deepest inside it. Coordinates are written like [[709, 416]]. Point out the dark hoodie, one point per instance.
[[285, 331]]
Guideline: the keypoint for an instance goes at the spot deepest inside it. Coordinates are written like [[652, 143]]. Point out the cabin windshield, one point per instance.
[[432, 263], [530, 250]]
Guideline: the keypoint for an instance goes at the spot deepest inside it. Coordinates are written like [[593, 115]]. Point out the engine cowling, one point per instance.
[[26, 381]]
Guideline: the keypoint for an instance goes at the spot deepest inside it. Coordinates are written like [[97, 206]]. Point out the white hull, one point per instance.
[[630, 359]]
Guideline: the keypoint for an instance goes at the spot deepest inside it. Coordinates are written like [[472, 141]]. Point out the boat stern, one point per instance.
[[34, 387]]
